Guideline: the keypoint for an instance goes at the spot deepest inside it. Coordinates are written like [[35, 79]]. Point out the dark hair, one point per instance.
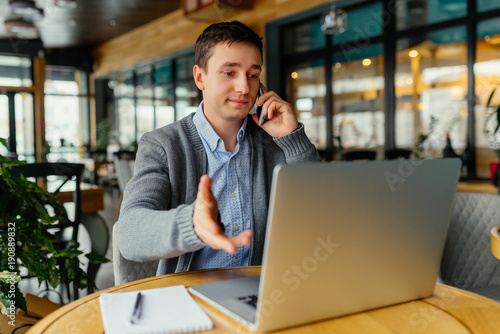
[[223, 32]]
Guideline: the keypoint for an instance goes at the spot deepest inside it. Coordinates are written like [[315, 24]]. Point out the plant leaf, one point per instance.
[[489, 99], [96, 258]]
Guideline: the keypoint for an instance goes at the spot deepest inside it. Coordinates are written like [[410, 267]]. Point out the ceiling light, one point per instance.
[[334, 22], [366, 62], [66, 3], [21, 28], [413, 53], [26, 9]]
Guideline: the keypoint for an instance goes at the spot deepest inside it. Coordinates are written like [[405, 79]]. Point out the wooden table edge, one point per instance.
[[443, 298], [47, 321]]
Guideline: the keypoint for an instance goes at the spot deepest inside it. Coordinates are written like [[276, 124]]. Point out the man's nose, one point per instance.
[[242, 86]]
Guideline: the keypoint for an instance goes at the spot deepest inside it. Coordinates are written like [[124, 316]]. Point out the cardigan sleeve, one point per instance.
[[297, 147], [149, 228]]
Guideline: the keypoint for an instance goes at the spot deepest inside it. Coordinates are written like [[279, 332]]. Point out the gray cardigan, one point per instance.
[[155, 220]]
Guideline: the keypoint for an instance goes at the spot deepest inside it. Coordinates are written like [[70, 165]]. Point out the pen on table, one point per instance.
[[136, 312]]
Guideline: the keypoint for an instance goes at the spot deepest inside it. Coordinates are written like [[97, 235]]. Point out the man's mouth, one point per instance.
[[239, 102]]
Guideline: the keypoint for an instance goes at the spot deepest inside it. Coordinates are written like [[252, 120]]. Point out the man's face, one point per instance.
[[230, 82]]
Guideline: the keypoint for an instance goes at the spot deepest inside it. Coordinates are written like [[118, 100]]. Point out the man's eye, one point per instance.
[[228, 74]]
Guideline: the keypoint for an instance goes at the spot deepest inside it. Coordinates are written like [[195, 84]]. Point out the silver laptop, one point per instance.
[[344, 238]]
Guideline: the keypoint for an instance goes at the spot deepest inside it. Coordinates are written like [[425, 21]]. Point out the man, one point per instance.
[[199, 196]]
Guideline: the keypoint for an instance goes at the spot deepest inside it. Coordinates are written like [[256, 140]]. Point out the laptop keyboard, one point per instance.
[[249, 300]]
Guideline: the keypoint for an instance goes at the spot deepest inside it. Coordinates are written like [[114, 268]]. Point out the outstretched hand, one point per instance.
[[205, 221]]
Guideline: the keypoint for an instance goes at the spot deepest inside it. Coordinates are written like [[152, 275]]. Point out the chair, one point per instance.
[[68, 172], [397, 154], [126, 270], [467, 261], [359, 155], [99, 237], [124, 170]]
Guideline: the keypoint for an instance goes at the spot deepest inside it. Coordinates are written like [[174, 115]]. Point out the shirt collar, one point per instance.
[[208, 134]]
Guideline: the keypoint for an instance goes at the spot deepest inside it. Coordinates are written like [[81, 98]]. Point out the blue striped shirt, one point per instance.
[[230, 174]]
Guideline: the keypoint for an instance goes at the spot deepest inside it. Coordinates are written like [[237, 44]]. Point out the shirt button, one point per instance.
[[236, 260], [221, 144], [231, 161], [237, 228], [212, 147], [233, 195]]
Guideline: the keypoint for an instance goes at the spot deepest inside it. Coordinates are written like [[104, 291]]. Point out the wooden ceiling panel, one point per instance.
[[92, 22]]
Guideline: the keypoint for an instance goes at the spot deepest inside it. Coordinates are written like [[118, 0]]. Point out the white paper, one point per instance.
[[164, 310]]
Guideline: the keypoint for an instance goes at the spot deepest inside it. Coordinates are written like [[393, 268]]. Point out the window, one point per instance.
[[400, 76], [15, 71], [335, 82], [487, 5], [412, 13], [152, 96], [17, 108], [363, 23], [358, 88], [431, 89], [306, 82], [66, 112], [303, 37], [487, 78]]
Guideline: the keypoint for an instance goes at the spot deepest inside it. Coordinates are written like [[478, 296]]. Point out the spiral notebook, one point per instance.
[[163, 310]]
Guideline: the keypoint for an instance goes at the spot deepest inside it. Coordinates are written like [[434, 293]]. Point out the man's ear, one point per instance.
[[198, 74]]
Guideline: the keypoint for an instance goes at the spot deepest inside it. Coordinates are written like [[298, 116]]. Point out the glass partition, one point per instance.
[[303, 37], [144, 83], [165, 113], [124, 85], [487, 79], [358, 88], [184, 68], [15, 71], [18, 122], [126, 122], [152, 96], [65, 81], [487, 5], [4, 121], [306, 84], [411, 13], [25, 126], [163, 73], [186, 99], [145, 116], [363, 23], [67, 119], [431, 89]]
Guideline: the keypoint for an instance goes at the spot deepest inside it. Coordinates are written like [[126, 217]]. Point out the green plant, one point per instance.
[[103, 134], [25, 241]]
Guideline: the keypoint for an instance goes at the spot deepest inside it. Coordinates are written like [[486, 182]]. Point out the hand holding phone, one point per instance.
[[280, 119]]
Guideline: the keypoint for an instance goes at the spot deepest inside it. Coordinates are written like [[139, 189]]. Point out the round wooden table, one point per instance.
[[448, 310]]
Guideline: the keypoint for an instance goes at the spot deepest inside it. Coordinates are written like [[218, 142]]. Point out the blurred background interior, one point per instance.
[[82, 80]]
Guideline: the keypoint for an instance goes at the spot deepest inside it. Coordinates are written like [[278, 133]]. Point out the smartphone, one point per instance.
[[258, 110]]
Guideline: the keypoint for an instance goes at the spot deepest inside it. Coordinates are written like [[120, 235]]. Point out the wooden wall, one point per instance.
[[175, 32]]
